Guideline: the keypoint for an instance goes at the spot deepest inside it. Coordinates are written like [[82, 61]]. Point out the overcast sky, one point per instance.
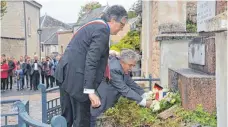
[[67, 10]]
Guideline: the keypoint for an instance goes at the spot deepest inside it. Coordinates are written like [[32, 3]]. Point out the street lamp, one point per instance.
[[39, 31]]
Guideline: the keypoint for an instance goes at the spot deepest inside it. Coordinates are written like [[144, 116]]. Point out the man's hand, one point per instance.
[[148, 103], [95, 100]]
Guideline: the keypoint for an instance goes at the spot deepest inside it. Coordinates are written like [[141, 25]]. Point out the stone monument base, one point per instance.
[[195, 88]]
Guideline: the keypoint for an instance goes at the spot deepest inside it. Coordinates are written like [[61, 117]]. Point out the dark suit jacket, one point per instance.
[[11, 67], [33, 67], [120, 84], [84, 60]]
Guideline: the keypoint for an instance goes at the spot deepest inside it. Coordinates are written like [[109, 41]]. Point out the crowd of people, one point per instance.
[[27, 72]]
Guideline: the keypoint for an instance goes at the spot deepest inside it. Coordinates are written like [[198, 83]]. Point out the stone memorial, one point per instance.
[[197, 83], [205, 11]]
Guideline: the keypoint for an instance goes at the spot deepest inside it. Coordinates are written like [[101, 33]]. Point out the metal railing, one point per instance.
[[27, 121], [51, 108], [24, 120], [5, 116], [149, 79]]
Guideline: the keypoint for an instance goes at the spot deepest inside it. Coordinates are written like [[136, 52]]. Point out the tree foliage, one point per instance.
[[191, 26], [3, 8], [130, 41], [131, 14], [88, 7]]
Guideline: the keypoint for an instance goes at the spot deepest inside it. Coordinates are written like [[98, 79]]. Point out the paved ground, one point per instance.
[[34, 98]]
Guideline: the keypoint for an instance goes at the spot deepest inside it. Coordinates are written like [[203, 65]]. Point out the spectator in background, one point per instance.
[[20, 75], [28, 74], [48, 71], [12, 66], [22, 65], [35, 72], [4, 73]]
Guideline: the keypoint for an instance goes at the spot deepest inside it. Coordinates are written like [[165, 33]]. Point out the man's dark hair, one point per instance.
[[116, 11], [3, 55]]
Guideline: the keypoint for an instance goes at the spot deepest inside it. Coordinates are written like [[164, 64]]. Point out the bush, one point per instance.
[[127, 113], [130, 41]]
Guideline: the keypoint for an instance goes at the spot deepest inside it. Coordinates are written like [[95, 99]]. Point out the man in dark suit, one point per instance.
[[82, 66], [120, 84], [10, 72], [35, 72]]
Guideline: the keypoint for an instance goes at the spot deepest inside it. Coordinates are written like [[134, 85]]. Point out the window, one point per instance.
[[29, 27]]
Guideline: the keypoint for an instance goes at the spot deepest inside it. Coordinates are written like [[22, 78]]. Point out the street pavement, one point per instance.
[[34, 98]]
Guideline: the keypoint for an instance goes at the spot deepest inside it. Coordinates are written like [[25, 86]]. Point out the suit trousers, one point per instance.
[[75, 112], [3, 83], [36, 79]]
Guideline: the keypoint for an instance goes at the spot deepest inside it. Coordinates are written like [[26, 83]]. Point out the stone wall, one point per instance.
[[15, 48], [195, 88], [63, 40], [146, 37], [12, 23], [221, 6], [32, 14], [209, 66], [191, 9], [155, 47]]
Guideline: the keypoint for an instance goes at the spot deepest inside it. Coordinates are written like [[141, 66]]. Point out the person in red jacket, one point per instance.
[[4, 74]]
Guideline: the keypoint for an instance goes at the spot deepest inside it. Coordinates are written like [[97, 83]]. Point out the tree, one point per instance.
[[137, 7], [131, 14], [3, 8], [88, 7], [130, 41]]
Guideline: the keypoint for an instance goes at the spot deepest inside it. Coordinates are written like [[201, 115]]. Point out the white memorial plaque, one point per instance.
[[196, 54], [205, 11]]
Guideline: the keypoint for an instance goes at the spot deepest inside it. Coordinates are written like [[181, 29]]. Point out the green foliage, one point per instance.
[[88, 7], [169, 101], [191, 27], [3, 8], [127, 113], [131, 14], [199, 116], [130, 41]]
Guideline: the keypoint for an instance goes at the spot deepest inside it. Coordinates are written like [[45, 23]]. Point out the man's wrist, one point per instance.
[[144, 95], [143, 102], [88, 91]]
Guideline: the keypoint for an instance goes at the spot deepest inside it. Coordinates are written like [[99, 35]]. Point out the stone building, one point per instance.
[[50, 35], [19, 29]]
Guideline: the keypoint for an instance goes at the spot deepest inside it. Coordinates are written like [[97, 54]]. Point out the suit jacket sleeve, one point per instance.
[[118, 82], [134, 86], [99, 43]]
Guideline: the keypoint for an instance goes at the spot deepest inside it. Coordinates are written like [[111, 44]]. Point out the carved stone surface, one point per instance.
[[209, 57], [196, 54], [196, 88], [172, 27], [173, 80]]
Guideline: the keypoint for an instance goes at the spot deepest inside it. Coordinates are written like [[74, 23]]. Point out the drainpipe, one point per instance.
[[25, 29]]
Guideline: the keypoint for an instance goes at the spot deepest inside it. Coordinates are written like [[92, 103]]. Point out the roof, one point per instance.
[[50, 27], [133, 20], [96, 13], [34, 3], [48, 21], [52, 40], [50, 36]]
